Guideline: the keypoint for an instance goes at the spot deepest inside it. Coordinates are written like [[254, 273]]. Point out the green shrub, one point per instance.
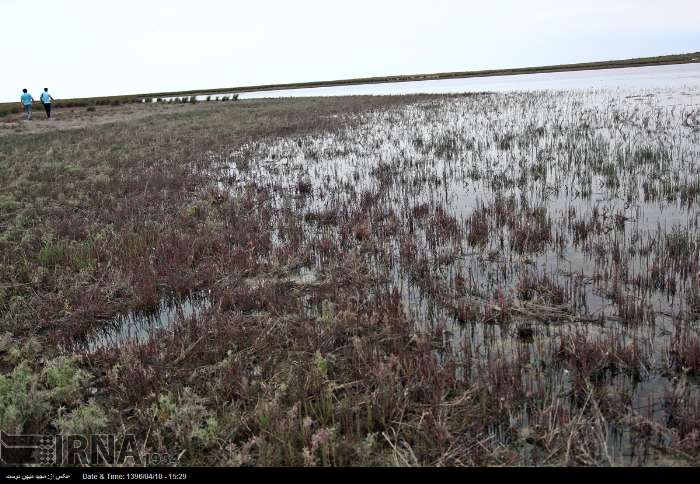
[[14, 353], [7, 202], [64, 379], [28, 395], [9, 110], [186, 419], [20, 399], [87, 419]]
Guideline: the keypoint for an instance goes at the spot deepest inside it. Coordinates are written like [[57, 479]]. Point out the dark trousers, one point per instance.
[[47, 107]]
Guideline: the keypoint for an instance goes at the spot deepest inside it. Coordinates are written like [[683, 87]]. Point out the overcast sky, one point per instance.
[[81, 48]]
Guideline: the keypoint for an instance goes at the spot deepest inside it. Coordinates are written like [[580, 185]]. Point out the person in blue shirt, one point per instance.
[[27, 101], [46, 99]]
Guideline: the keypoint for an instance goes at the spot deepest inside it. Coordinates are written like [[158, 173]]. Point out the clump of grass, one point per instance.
[[542, 289], [651, 154], [52, 254], [304, 187], [478, 225], [684, 353]]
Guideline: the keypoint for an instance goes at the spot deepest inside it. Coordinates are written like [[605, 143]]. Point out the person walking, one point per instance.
[[46, 99], [27, 101]]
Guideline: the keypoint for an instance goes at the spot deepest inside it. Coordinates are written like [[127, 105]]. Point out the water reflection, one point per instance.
[[139, 327], [685, 78]]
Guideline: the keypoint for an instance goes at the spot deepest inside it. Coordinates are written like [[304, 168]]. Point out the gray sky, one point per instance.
[[82, 48]]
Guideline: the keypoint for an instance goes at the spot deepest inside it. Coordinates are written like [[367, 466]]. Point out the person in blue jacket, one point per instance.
[[27, 101], [46, 99]]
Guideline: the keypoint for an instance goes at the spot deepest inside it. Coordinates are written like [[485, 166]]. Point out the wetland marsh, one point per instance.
[[477, 279]]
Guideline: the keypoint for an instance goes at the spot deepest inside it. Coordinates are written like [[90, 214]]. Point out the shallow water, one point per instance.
[[638, 78], [138, 327], [583, 168], [683, 78]]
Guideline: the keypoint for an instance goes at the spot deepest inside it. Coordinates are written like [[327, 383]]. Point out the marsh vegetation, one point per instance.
[[491, 279]]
